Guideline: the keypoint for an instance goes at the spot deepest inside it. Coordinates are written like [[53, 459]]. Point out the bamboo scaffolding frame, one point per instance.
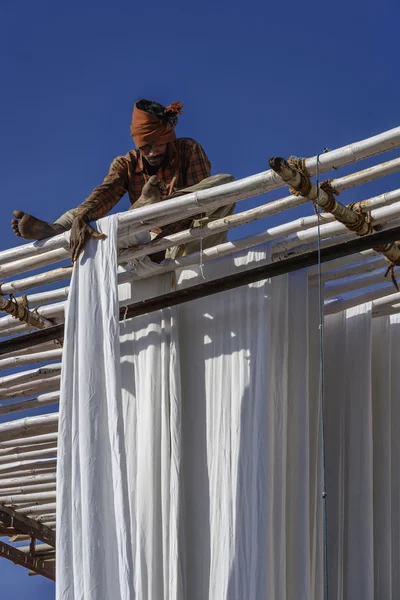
[[366, 266], [196, 203], [269, 209], [37, 564]]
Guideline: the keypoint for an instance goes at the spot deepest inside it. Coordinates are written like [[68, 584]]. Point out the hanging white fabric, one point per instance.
[[362, 390], [201, 479]]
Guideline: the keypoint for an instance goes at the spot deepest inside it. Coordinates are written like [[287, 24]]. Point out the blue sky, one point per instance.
[[256, 78]]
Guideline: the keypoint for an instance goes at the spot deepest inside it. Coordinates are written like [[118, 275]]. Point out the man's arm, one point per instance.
[[105, 196], [97, 205]]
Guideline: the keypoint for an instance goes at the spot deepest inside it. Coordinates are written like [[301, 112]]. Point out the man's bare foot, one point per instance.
[[32, 228]]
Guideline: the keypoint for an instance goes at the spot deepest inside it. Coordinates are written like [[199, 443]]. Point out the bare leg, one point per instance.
[[32, 228]]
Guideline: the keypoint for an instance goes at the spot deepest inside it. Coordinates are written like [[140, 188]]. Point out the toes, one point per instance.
[[18, 213]]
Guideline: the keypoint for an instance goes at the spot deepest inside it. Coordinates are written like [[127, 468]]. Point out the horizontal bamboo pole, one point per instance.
[[338, 304], [232, 192], [31, 464], [41, 400], [47, 296], [46, 452], [27, 426], [366, 266], [39, 548], [45, 518], [28, 480], [30, 376], [24, 448], [343, 261], [42, 508], [46, 438], [356, 282], [21, 285], [27, 359], [27, 472], [326, 242], [44, 487], [25, 498], [32, 388]]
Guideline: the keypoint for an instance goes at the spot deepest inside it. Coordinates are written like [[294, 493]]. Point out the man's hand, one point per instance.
[[81, 232]]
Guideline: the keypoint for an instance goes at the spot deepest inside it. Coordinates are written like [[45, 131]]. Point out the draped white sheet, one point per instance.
[[201, 479], [362, 392]]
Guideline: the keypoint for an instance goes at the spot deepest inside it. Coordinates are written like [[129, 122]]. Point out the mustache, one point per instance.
[[154, 157]]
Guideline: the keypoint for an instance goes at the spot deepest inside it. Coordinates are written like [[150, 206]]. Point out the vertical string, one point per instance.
[[321, 390]]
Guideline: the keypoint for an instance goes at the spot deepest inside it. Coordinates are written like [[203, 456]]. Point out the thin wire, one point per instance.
[[321, 394]]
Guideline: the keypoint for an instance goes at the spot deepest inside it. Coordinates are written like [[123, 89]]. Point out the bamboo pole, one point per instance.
[[25, 498], [41, 400], [25, 427], [21, 285], [44, 518], [44, 487], [24, 448], [39, 548], [354, 283], [29, 376], [22, 456], [37, 509], [29, 480], [20, 312], [365, 266], [47, 438], [338, 304], [27, 472], [42, 462], [27, 359], [32, 388], [343, 261]]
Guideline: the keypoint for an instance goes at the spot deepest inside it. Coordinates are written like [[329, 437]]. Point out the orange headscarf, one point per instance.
[[147, 128]]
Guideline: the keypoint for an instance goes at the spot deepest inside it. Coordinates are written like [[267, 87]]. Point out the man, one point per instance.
[[161, 166]]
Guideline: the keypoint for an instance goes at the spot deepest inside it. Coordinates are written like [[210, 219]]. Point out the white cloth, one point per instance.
[[208, 487], [362, 390]]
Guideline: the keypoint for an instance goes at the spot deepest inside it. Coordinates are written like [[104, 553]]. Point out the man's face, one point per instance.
[[154, 153]]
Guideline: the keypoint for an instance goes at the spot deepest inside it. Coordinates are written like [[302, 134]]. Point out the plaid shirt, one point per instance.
[[186, 165]]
